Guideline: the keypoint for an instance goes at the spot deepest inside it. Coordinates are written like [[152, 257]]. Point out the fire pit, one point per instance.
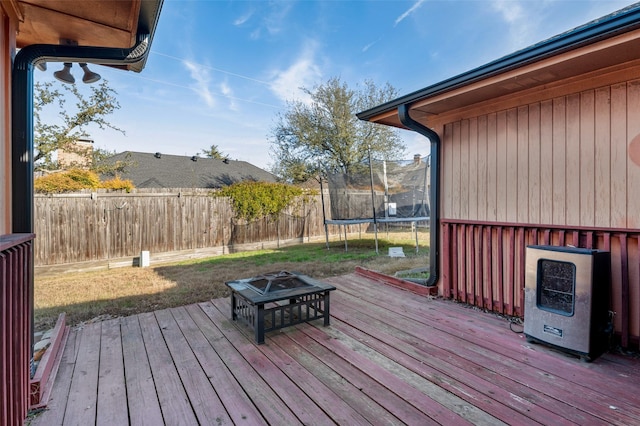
[[292, 298]]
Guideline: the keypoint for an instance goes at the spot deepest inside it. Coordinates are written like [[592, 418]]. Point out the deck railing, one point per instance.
[[15, 326]]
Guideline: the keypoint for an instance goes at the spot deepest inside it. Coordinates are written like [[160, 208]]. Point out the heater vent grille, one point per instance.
[[556, 286]]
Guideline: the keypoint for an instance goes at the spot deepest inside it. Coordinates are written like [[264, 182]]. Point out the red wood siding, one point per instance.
[[562, 161], [483, 265], [15, 327], [6, 47], [566, 160]]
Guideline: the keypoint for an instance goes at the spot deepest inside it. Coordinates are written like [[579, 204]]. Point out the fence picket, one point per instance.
[[101, 226]]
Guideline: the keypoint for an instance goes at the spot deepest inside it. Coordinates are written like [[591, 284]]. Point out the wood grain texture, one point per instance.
[[569, 160], [142, 401], [112, 393], [75, 228], [84, 383], [389, 357], [502, 268]]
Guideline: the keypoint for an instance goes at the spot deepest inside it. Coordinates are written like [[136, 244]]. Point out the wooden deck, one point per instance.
[[389, 357]]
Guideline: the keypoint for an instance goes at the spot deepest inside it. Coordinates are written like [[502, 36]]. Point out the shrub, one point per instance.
[[67, 181], [118, 184], [252, 200], [76, 180]]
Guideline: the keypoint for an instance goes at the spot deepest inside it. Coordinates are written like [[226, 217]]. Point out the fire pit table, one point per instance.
[[292, 298]]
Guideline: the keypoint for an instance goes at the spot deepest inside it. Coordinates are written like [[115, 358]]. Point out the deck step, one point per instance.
[[42, 382]]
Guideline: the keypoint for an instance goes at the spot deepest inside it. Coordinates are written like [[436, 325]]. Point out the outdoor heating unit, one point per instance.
[[276, 300], [567, 299]]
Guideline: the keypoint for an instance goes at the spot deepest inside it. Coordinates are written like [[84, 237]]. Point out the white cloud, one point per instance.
[[228, 93], [274, 19], [511, 11], [370, 45], [522, 23], [244, 18], [278, 14], [304, 72], [202, 79], [406, 14]]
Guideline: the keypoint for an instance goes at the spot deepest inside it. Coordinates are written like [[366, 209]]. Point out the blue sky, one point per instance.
[[220, 71]]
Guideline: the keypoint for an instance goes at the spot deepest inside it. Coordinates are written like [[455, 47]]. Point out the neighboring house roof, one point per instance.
[[149, 170], [572, 53]]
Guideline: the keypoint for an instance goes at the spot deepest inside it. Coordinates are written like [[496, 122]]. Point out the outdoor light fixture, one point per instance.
[[89, 76], [65, 76]]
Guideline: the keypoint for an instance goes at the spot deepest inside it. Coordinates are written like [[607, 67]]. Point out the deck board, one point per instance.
[[83, 392], [57, 403], [270, 405], [306, 410], [322, 395], [174, 401], [389, 357], [112, 395], [202, 396], [463, 367], [320, 392], [504, 357], [232, 396], [142, 401]]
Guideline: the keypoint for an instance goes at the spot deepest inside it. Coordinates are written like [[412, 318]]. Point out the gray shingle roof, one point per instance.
[[149, 170]]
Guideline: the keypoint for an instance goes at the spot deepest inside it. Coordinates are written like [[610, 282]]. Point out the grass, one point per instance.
[[127, 291]]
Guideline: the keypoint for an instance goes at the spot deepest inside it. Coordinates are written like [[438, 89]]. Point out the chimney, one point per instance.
[[417, 159], [78, 154]]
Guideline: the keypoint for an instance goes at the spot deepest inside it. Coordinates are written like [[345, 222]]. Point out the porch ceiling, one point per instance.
[[92, 23], [89, 23]]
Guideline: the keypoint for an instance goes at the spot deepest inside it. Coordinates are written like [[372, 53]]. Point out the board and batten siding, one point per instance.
[[564, 171], [564, 161]]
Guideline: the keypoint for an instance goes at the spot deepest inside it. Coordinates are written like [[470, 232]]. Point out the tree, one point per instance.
[[214, 152], [73, 122], [326, 131]]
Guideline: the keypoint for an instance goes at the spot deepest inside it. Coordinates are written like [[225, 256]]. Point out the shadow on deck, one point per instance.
[[389, 357]]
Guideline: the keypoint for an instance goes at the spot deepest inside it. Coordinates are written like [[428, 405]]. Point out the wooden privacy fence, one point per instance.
[[484, 265], [84, 227]]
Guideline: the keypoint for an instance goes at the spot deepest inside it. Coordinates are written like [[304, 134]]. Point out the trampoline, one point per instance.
[[377, 192]]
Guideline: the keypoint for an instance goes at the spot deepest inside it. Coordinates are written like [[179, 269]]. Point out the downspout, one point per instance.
[[22, 123], [22, 111], [434, 196]]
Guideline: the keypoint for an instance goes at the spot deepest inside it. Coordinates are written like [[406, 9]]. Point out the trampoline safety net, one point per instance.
[[390, 191]]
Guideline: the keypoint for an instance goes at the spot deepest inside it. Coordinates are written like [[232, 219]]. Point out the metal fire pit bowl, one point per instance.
[[275, 300]]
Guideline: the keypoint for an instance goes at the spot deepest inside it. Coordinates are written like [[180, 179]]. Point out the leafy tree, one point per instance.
[[326, 133], [73, 122], [103, 164], [214, 152]]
